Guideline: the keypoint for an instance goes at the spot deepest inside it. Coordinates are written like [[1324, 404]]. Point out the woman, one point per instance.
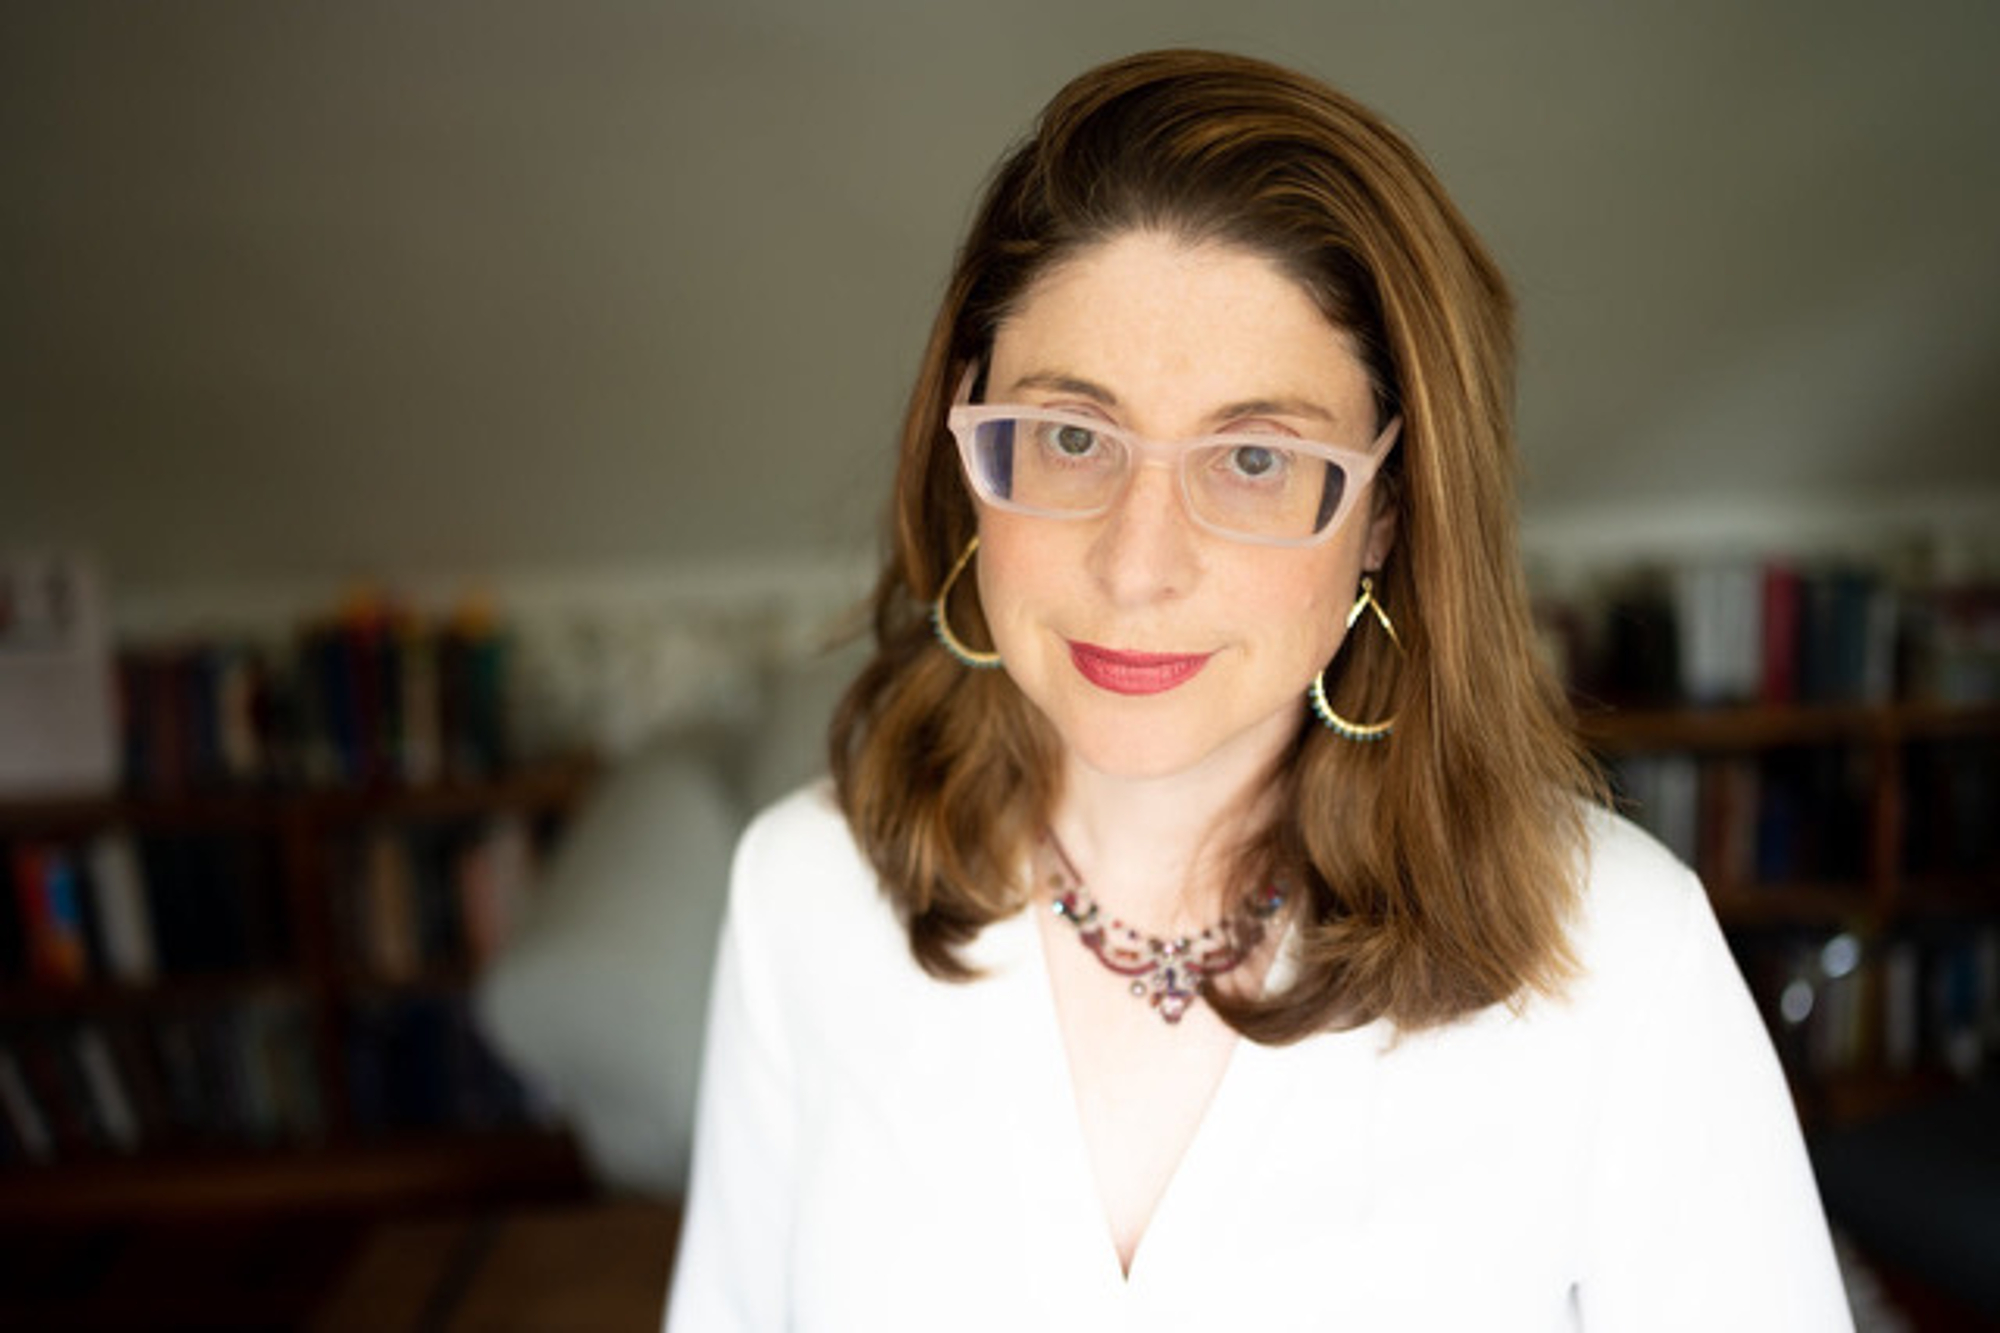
[[1212, 922]]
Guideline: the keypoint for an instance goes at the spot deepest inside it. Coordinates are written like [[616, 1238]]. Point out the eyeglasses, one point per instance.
[[1274, 490]]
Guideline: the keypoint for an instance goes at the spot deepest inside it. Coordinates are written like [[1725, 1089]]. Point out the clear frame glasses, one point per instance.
[[1270, 489]]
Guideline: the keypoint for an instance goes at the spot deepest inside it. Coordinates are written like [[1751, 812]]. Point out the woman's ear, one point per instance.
[[1381, 532]]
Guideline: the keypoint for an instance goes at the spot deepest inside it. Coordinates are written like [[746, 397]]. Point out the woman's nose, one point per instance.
[[1145, 548]]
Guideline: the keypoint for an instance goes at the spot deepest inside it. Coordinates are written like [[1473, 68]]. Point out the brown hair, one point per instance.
[[1437, 867]]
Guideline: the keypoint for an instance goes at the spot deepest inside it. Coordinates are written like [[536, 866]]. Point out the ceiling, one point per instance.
[[295, 291]]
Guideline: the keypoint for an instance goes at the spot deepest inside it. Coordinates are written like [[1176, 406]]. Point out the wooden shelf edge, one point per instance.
[[554, 784], [1738, 906], [406, 1174], [1832, 1101], [1758, 726], [36, 1000]]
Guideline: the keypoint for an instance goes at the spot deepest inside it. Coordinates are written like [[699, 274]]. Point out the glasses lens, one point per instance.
[[1048, 466], [1265, 492]]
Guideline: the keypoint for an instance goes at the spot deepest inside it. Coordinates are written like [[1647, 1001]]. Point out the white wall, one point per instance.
[[623, 296]]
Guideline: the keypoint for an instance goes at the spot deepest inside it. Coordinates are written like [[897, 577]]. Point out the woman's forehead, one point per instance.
[[1149, 322]]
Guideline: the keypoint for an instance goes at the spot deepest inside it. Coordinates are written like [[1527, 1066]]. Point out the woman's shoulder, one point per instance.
[[799, 875], [804, 824], [1639, 907], [1628, 867]]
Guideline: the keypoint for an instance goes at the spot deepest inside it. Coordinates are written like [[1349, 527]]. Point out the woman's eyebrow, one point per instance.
[[1275, 407], [1059, 382]]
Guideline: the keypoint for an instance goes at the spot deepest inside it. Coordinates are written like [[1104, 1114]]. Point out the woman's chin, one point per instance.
[[1152, 750]]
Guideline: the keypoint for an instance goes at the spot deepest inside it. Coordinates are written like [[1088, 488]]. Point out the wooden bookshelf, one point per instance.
[[1881, 886], [1878, 893], [345, 1153]]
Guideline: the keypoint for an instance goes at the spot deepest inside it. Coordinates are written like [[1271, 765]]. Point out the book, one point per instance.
[[239, 738], [1728, 793], [420, 742], [366, 1061], [1718, 608], [473, 669], [1779, 658], [491, 875], [1847, 637], [385, 890], [293, 1071], [1902, 1007], [51, 908], [200, 687], [227, 1097], [138, 1070], [104, 1088], [123, 915], [369, 694], [1640, 661], [185, 1083], [249, 1034], [52, 1083], [25, 1120]]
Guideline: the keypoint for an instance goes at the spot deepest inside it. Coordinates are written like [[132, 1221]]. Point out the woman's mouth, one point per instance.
[[1135, 673]]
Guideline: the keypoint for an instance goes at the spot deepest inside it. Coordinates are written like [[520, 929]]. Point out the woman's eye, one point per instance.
[[1255, 461], [1075, 441]]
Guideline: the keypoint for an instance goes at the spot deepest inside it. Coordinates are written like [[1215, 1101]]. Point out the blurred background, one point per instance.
[[521, 290], [449, 432]]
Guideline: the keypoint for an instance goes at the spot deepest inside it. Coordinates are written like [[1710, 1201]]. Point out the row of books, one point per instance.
[[240, 1074], [1951, 794], [117, 909], [1802, 813], [411, 898], [1920, 999], [244, 1075], [419, 1061], [375, 695], [1785, 816], [1779, 632]]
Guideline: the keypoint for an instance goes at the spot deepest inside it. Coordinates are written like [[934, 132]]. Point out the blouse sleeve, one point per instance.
[[730, 1273], [1704, 1212]]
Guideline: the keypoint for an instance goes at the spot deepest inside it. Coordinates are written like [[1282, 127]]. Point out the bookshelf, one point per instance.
[[293, 1030], [1852, 856], [1874, 743], [1819, 737]]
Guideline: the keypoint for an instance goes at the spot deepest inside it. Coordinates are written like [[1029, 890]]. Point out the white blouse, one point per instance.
[[876, 1150]]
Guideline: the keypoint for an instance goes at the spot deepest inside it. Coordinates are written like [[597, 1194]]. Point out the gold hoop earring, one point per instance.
[[941, 623], [1340, 726]]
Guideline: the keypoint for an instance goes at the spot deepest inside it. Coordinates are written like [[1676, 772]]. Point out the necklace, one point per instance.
[[1166, 973]]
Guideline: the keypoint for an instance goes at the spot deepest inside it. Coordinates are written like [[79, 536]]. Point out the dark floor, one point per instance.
[[222, 1276], [597, 1268], [588, 1269]]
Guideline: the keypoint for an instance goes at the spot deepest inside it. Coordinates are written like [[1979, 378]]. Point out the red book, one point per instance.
[[1781, 634], [45, 887]]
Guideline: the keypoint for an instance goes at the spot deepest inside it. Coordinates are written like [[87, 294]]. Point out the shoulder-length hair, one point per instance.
[[1433, 871]]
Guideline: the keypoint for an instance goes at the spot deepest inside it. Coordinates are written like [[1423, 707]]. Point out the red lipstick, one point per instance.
[[1135, 673]]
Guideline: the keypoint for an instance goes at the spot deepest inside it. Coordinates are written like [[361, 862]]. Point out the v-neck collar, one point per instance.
[[1060, 1149], [994, 1051]]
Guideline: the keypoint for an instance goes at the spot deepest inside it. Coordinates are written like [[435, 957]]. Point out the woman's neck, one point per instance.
[[1156, 851]]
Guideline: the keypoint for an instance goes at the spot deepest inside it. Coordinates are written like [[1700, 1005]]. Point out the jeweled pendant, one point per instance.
[[1167, 973]]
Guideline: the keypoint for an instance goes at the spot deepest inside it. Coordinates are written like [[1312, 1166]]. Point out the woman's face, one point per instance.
[[1154, 646]]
